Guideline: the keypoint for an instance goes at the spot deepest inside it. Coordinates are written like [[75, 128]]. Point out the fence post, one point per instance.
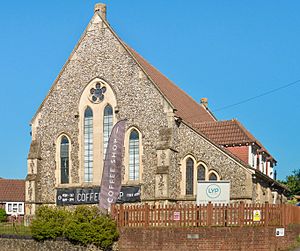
[[266, 214], [209, 214], [146, 214], [241, 213], [225, 215], [121, 216], [113, 211]]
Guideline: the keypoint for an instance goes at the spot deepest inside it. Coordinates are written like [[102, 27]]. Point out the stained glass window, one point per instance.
[[189, 177], [201, 172], [134, 155], [64, 160], [88, 145], [107, 126]]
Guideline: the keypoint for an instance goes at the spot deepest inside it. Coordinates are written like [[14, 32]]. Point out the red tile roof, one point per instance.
[[12, 190], [228, 133], [187, 108]]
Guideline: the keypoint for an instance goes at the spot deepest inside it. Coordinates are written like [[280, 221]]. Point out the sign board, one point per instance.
[[256, 215], [279, 231], [176, 216], [213, 191], [77, 196]]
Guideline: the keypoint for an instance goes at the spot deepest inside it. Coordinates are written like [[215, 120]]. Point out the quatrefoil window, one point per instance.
[[96, 93]]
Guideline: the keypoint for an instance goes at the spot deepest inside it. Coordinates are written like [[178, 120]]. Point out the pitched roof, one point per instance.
[[186, 107], [12, 190], [228, 133]]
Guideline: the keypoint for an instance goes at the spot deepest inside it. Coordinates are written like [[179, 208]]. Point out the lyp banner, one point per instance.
[[111, 176]]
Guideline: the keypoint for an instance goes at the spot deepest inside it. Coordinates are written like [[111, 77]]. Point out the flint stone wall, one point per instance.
[[100, 54], [190, 142]]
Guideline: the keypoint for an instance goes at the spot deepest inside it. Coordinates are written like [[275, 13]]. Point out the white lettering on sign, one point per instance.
[[112, 172], [87, 197]]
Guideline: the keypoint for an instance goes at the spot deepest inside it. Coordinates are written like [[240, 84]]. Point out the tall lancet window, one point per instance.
[[107, 126], [189, 188], [134, 156], [88, 145], [64, 160]]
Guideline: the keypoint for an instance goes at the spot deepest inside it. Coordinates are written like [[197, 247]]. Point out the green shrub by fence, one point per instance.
[[85, 225]]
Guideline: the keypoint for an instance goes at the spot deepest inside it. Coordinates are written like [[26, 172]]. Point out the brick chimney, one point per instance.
[[204, 102], [101, 9]]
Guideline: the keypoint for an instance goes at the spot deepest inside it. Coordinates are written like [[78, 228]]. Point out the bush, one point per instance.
[[49, 223], [87, 226], [83, 226], [3, 215]]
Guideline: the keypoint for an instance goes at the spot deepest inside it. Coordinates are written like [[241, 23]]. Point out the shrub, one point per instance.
[[85, 225], [3, 215], [49, 223], [88, 226]]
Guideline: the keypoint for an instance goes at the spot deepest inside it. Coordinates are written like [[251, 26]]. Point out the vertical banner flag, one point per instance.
[[112, 169]]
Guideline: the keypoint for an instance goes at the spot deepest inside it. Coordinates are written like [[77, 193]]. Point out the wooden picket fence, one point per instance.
[[191, 215]]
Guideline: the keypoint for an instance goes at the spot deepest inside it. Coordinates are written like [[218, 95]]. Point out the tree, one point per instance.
[[293, 182]]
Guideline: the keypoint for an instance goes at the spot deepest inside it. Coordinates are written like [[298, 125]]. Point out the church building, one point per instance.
[[171, 141]]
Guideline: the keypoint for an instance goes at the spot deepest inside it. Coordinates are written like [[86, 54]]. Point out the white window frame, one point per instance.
[[12, 211]]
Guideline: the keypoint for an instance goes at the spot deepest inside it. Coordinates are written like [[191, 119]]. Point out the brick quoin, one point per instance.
[[209, 238]]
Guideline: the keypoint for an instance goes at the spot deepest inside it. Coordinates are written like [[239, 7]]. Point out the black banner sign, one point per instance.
[[77, 196]]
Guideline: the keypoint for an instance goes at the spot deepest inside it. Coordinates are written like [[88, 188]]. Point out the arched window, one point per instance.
[[189, 188], [88, 145], [107, 126], [213, 176], [201, 172], [134, 155], [64, 160]]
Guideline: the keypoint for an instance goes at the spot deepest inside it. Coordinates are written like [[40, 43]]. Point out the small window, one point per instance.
[[189, 189], [20, 207], [213, 176], [134, 155], [64, 160], [9, 208], [14, 207], [201, 172]]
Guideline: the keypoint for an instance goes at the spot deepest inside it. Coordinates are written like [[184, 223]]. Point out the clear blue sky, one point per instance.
[[226, 51]]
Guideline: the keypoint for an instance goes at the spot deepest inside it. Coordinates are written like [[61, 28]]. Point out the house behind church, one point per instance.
[[12, 196]]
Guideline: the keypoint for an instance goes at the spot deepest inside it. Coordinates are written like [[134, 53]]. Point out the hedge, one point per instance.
[[85, 225]]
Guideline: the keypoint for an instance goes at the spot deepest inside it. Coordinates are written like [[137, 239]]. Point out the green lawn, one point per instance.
[[14, 229]]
